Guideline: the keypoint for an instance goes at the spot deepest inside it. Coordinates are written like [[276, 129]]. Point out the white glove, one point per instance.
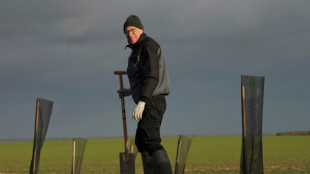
[[137, 112]]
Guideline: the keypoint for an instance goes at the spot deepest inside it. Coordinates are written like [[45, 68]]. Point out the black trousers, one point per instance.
[[148, 131]]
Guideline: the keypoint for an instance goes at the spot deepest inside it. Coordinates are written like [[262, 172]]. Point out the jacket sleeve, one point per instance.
[[150, 64]]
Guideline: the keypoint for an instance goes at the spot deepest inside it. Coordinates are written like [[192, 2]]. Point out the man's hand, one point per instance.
[[137, 112], [123, 93]]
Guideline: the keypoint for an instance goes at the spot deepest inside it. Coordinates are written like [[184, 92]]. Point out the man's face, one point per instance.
[[133, 33]]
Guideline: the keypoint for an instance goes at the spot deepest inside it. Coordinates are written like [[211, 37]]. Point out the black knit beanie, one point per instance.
[[133, 20]]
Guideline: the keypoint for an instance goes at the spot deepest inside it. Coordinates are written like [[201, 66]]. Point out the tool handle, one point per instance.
[[120, 73]]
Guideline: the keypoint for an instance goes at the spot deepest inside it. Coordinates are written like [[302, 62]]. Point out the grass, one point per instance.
[[208, 154]]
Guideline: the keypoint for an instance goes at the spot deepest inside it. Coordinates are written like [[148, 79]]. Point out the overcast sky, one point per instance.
[[67, 50]]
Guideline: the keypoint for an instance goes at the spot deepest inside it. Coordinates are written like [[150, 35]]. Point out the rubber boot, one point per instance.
[[147, 162], [161, 162]]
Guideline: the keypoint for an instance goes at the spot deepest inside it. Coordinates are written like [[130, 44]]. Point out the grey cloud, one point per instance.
[[67, 50], [214, 20], [80, 21]]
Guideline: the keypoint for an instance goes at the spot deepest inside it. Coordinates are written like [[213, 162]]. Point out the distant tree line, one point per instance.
[[293, 133]]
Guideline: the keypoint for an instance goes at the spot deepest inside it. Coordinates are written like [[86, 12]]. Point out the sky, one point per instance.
[[67, 50]]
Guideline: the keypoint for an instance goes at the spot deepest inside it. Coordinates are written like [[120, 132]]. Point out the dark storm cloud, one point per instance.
[[61, 21], [67, 50], [169, 20]]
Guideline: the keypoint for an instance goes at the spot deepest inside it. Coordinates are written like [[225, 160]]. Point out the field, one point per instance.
[[208, 154]]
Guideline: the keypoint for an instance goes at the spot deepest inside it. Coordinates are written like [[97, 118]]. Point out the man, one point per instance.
[[149, 83]]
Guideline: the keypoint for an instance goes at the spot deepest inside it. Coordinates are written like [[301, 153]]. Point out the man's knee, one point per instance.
[[153, 148], [149, 145]]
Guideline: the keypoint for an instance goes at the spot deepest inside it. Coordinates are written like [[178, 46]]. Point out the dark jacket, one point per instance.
[[147, 72]]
